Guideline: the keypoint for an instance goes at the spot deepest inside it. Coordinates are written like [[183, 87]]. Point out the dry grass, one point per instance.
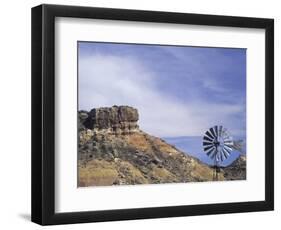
[[164, 147], [104, 173], [162, 174], [139, 141], [204, 173], [133, 175], [97, 172]]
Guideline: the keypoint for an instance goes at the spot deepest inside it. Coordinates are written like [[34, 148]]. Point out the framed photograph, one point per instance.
[[142, 114]]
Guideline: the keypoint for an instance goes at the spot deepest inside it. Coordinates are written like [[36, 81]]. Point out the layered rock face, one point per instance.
[[116, 119], [114, 151]]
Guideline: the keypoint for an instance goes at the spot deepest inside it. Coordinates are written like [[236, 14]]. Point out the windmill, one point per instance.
[[218, 145]]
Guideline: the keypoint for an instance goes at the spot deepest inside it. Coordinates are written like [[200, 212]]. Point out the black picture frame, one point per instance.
[[43, 114]]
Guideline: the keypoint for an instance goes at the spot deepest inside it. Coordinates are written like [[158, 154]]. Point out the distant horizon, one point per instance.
[[194, 148], [196, 136]]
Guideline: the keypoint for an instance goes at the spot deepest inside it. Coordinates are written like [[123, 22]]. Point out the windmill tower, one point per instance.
[[218, 146]]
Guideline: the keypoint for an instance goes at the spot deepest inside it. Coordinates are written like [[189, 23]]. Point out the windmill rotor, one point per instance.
[[218, 145]]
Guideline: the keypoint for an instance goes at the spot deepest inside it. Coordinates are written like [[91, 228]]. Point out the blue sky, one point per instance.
[[178, 90]]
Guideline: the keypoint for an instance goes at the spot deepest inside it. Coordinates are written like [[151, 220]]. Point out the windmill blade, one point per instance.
[[226, 153], [220, 131], [208, 134], [207, 148], [206, 144], [213, 132], [205, 138], [216, 131], [228, 142], [213, 154], [228, 148], [211, 151]]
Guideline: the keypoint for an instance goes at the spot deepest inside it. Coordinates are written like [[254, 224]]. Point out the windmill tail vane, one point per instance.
[[218, 145]]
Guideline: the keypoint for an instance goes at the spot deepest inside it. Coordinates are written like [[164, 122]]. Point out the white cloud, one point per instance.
[[111, 80]]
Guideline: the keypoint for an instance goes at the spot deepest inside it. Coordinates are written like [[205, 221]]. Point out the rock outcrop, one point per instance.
[[116, 119], [114, 151], [237, 170]]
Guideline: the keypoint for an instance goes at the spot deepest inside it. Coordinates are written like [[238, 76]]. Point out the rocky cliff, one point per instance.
[[113, 150], [115, 120]]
